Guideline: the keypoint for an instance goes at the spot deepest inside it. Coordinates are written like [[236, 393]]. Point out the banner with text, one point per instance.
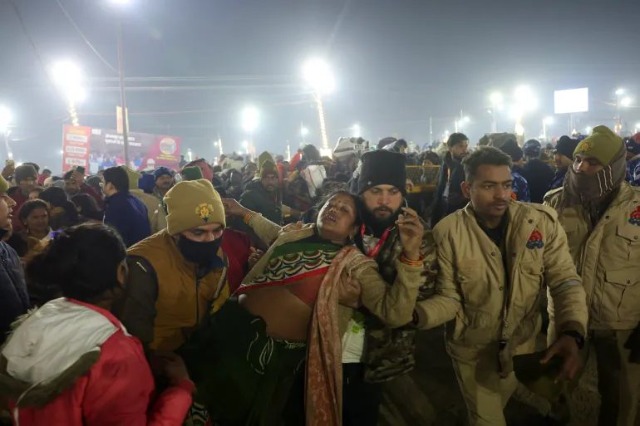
[[75, 147], [105, 148]]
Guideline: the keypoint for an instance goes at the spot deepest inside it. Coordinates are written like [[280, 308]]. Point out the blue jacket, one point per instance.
[[633, 171], [558, 179], [520, 187], [14, 300], [128, 215]]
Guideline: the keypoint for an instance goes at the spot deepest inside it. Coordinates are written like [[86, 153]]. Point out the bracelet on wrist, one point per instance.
[[404, 259], [247, 217]]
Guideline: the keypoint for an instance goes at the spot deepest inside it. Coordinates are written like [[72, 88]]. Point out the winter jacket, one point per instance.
[[539, 176], [607, 257], [128, 215], [74, 364], [14, 300], [472, 282], [259, 200], [520, 187], [449, 200], [150, 202], [166, 296], [558, 179]]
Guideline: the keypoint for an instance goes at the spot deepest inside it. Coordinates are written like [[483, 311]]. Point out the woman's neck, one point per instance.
[[38, 234], [331, 238]]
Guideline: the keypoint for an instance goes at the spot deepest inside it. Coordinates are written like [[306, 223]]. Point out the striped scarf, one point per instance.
[[593, 192]]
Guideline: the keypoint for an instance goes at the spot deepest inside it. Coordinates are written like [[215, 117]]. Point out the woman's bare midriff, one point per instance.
[[287, 317]]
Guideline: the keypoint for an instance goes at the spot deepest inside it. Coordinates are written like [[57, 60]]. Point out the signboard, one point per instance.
[[571, 101], [105, 148], [75, 147]]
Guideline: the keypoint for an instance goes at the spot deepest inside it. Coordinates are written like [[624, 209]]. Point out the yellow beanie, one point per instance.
[[133, 176], [4, 185], [191, 204], [602, 144], [266, 164]]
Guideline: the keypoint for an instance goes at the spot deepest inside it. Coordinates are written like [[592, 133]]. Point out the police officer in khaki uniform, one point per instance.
[[601, 214], [496, 258]]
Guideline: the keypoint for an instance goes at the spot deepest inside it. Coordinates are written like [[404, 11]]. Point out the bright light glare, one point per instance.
[[69, 79], [496, 99], [465, 119], [620, 92], [525, 98], [548, 120], [121, 2], [304, 131], [356, 130], [625, 102], [588, 130], [250, 119], [318, 75], [6, 117], [245, 144]]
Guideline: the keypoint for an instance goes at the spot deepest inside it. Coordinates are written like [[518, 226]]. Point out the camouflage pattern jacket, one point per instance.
[[389, 352]]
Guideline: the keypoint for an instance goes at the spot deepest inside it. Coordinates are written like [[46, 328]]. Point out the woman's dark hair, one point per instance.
[[87, 207], [312, 217], [29, 206], [80, 262], [56, 197]]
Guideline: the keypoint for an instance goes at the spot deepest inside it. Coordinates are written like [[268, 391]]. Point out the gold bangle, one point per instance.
[[404, 259], [247, 217]]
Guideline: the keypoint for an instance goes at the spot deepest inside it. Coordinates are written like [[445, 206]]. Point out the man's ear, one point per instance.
[[466, 189]]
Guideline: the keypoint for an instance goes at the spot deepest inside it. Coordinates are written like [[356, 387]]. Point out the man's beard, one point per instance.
[[376, 224]]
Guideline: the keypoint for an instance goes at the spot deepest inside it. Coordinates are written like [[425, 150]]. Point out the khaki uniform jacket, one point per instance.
[[391, 304], [607, 257], [472, 282]]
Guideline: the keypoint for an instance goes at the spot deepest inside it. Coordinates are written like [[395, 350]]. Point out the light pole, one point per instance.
[[525, 101], [250, 120], [123, 98], [356, 130], [460, 123], [303, 133], [69, 79], [546, 122], [496, 100], [318, 75], [6, 119]]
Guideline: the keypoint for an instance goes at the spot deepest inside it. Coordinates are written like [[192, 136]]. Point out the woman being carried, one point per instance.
[[288, 318]]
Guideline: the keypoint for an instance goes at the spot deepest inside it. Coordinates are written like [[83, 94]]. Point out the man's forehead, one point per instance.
[[208, 228], [384, 188]]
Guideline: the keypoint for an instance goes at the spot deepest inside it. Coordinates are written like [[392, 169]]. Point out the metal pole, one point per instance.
[[430, 130], [323, 127], [123, 99], [7, 146]]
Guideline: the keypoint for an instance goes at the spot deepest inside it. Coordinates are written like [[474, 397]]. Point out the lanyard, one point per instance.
[[374, 251]]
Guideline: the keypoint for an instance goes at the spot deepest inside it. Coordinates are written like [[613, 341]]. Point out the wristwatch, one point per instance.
[[579, 338]]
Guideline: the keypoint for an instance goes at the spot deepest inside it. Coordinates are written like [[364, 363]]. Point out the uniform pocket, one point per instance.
[[629, 236], [621, 297]]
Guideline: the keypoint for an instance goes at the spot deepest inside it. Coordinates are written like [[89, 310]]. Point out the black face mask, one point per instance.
[[205, 255]]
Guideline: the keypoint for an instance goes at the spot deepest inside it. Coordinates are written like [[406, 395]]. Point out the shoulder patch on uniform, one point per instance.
[[634, 217], [535, 240]]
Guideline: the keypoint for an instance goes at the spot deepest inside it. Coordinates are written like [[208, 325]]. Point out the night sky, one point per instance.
[[192, 65]]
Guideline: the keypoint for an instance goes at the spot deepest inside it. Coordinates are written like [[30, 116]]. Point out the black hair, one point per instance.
[[80, 262], [118, 177], [68, 175], [87, 207], [455, 139], [356, 201], [29, 206], [486, 155], [56, 197], [35, 166]]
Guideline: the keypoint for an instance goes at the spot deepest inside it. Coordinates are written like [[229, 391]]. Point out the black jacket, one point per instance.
[[452, 171], [539, 176], [14, 300]]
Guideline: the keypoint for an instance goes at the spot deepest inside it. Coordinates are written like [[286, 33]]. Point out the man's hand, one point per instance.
[[234, 208], [411, 232], [254, 257], [349, 291], [567, 349]]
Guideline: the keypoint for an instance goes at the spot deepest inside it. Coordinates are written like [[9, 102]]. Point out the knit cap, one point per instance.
[[162, 171], [266, 164], [191, 204], [602, 144]]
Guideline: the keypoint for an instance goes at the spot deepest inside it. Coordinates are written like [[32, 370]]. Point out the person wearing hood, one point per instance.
[[632, 145], [178, 275], [563, 157], [71, 362], [448, 197], [537, 173], [261, 194], [601, 214], [14, 300], [124, 211], [163, 179]]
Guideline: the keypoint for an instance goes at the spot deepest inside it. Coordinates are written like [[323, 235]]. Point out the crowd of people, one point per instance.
[[293, 292]]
